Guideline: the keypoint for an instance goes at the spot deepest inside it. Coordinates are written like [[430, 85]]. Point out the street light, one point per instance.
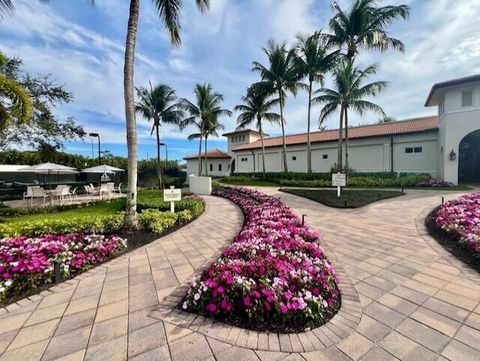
[[96, 135], [166, 153]]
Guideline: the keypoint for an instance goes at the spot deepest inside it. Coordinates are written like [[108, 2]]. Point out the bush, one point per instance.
[[274, 276], [157, 221], [85, 224], [28, 262]]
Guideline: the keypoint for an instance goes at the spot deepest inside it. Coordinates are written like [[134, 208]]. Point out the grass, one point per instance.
[[349, 198], [99, 209], [249, 183]]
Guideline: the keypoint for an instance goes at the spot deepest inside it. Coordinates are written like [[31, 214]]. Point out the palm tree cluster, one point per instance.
[[288, 70], [310, 60]]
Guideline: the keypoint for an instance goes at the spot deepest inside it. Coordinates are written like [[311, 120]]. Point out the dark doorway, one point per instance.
[[232, 168], [469, 158]]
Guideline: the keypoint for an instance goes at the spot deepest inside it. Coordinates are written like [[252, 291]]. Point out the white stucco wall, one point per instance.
[[366, 155], [212, 163]]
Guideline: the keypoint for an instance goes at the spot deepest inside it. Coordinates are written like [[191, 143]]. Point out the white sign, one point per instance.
[[339, 180], [172, 195]]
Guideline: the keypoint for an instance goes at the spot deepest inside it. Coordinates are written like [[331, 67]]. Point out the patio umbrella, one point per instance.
[[50, 168], [103, 169]]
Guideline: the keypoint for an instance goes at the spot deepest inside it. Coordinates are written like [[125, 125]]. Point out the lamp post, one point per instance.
[[166, 153], [96, 135]]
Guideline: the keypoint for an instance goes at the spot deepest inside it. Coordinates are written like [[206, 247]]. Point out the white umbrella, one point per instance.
[[102, 169], [49, 168]]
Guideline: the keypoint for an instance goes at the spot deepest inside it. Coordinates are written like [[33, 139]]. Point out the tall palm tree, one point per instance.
[[364, 26], [206, 109], [349, 93], [210, 129], [280, 76], [169, 13], [256, 107], [15, 102], [158, 104], [313, 61]]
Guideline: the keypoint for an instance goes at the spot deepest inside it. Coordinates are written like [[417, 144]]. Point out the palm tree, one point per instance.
[[206, 110], [364, 26], [313, 61], [256, 107], [169, 13], [15, 102], [158, 104], [279, 76], [211, 129], [349, 93]]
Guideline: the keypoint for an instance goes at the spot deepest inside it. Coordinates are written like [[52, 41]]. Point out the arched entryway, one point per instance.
[[232, 167], [469, 158]]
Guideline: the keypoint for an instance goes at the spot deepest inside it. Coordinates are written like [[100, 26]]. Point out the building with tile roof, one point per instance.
[[446, 145]]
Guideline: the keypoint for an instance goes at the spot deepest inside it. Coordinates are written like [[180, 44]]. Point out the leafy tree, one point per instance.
[[364, 26], [159, 105], [256, 107], [204, 114], [349, 93], [313, 61], [42, 126], [15, 103], [279, 76]]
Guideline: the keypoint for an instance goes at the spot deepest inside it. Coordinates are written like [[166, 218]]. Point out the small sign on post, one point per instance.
[[172, 195], [339, 180]]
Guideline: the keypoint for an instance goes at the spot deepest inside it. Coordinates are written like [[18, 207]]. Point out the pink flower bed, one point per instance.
[[274, 276], [28, 262], [435, 183], [460, 218]]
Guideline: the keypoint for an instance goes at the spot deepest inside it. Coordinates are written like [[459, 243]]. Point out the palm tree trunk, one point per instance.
[[340, 142], [309, 151], [159, 171], [284, 140], [200, 156], [263, 145], [346, 140], [206, 160], [131, 208]]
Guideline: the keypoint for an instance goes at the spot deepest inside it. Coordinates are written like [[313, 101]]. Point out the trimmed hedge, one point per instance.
[[319, 180]]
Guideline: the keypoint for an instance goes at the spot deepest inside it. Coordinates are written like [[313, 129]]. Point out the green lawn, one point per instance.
[[350, 198], [99, 209]]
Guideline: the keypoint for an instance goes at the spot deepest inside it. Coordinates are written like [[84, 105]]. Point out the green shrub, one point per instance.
[[86, 224], [157, 221], [184, 216]]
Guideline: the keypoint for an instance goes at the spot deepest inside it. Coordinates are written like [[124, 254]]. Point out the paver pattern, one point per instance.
[[415, 300]]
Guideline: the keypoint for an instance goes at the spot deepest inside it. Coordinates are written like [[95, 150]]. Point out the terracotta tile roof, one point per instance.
[[444, 84], [374, 130], [241, 130], [214, 153]]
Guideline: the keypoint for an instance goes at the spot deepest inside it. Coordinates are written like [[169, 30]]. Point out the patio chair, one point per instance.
[[28, 193], [105, 191], [118, 189], [61, 192], [38, 193]]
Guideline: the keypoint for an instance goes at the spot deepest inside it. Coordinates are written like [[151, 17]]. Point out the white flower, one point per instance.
[[185, 305], [196, 297]]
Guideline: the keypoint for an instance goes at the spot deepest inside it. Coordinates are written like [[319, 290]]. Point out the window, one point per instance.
[[413, 150], [244, 159], [325, 156], [294, 157], [219, 167], [467, 98], [211, 167]]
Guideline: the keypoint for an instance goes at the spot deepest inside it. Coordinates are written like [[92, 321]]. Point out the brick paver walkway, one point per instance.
[[404, 296]]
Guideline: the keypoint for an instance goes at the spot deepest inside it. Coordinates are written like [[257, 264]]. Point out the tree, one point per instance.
[[312, 62], [158, 105], [169, 13], [210, 130], [203, 113], [42, 126], [256, 107], [364, 26], [349, 93], [15, 103], [279, 76]]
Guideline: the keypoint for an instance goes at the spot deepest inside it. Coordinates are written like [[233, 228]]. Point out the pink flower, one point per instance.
[[212, 307], [247, 302]]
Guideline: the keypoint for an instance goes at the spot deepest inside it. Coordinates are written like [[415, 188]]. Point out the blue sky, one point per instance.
[[82, 47]]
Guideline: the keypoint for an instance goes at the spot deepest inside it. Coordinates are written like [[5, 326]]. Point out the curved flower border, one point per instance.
[[460, 218], [274, 276]]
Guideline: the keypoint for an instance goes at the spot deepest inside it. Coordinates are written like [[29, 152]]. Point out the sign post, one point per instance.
[[339, 180], [172, 195]]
